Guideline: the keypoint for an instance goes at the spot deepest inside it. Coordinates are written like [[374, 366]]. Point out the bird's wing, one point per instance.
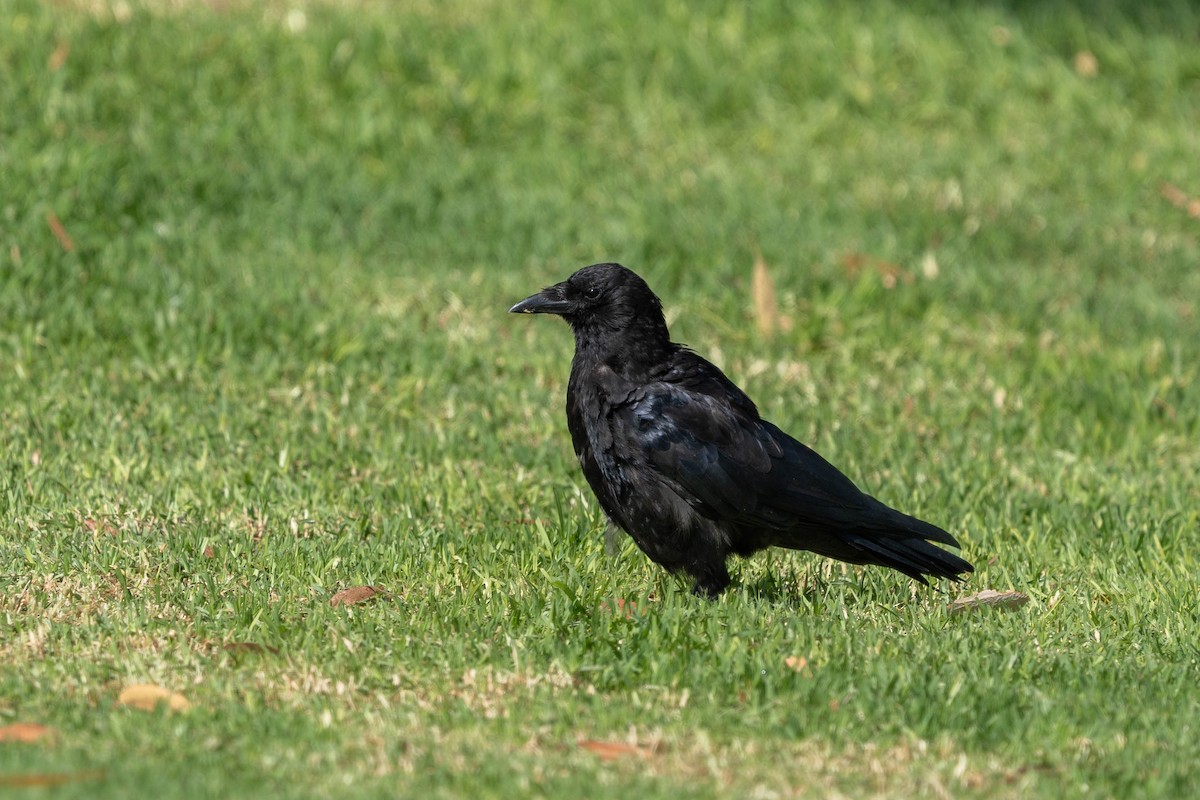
[[704, 436]]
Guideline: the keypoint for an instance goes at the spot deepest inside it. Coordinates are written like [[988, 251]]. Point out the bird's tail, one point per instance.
[[887, 538], [905, 544], [913, 556]]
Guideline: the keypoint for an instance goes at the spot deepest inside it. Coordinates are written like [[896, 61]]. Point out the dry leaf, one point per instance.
[[60, 233], [26, 732], [355, 595], [626, 607], [889, 273], [148, 696], [1179, 198], [991, 599], [762, 290], [1086, 64], [49, 778], [93, 525], [58, 57], [797, 663], [1173, 195], [611, 751]]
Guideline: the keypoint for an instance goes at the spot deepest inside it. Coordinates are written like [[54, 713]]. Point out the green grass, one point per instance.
[[272, 361]]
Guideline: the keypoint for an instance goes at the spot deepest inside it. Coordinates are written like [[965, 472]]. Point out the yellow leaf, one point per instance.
[[148, 696], [1086, 64], [762, 290]]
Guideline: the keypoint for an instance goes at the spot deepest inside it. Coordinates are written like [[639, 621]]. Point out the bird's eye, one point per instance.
[[592, 293]]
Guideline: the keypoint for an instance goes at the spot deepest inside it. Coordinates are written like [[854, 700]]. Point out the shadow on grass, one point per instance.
[[814, 588], [805, 587]]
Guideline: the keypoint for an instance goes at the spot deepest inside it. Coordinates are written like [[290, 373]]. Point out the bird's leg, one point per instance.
[[711, 582], [614, 537]]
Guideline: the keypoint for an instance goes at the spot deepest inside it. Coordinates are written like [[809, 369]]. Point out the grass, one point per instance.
[[254, 266]]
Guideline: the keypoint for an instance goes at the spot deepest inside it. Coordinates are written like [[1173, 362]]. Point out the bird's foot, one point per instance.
[[711, 585]]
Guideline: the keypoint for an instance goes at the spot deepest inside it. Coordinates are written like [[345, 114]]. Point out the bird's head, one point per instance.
[[602, 301]]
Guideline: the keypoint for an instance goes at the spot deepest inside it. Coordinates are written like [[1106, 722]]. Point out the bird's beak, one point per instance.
[[548, 301]]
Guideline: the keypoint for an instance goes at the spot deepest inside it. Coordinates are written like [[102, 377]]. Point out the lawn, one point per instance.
[[255, 262]]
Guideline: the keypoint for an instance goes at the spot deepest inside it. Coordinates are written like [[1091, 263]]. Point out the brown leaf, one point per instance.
[[626, 607], [26, 732], [355, 595], [853, 263], [34, 779], [60, 233], [797, 663], [102, 525], [1173, 195], [762, 290], [611, 751], [58, 57], [889, 273], [989, 598], [1179, 198], [148, 696]]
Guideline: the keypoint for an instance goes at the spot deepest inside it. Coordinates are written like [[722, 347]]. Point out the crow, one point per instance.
[[680, 459]]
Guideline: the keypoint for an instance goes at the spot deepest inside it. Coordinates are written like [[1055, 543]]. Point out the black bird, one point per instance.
[[681, 461]]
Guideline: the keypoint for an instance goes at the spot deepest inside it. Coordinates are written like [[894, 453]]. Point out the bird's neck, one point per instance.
[[636, 352]]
